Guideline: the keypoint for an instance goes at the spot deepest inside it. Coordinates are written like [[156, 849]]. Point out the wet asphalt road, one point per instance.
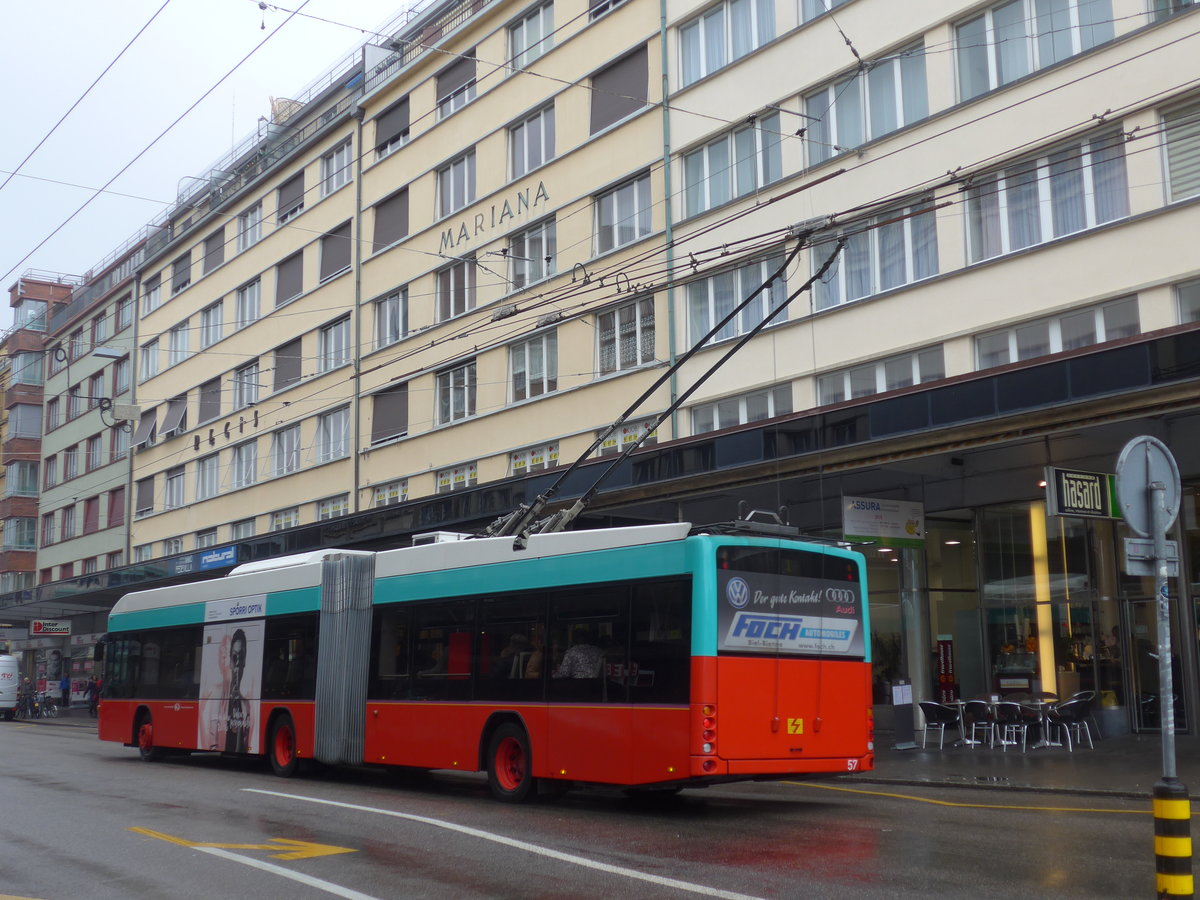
[[89, 819]]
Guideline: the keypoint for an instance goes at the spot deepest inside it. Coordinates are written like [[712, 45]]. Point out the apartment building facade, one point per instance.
[[441, 274]]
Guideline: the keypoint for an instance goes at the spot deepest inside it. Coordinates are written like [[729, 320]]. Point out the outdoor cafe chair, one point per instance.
[[979, 715], [1090, 698], [937, 715], [1010, 724], [1070, 717]]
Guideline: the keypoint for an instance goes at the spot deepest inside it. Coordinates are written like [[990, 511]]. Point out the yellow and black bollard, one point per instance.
[[1172, 839]]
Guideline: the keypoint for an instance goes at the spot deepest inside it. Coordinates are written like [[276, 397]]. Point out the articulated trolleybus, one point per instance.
[[649, 657]]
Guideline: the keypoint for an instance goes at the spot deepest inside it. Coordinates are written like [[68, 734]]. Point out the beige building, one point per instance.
[[461, 255]]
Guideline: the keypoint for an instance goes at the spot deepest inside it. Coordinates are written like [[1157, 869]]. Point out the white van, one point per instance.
[[9, 680]]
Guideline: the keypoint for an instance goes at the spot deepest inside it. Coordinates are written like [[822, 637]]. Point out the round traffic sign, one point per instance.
[[1143, 461]]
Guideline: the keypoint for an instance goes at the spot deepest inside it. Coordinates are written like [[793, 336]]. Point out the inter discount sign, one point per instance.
[[1088, 494], [48, 626]]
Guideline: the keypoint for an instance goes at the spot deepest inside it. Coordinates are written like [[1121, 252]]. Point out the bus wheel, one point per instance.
[[145, 740], [510, 773], [282, 743]]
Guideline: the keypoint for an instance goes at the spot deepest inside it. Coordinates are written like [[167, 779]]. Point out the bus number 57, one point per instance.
[[851, 765]]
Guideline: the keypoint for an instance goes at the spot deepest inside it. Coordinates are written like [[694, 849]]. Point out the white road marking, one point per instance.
[[522, 845], [328, 886]]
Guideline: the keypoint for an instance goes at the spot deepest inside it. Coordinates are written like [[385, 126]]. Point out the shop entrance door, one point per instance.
[[1141, 649]]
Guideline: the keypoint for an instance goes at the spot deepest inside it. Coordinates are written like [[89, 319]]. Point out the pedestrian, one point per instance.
[[93, 695], [64, 687]]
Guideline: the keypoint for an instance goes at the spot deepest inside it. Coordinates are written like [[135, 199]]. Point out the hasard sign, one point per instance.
[[494, 216], [1088, 494]]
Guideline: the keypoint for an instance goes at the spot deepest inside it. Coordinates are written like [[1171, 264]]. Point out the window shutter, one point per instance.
[[391, 124], [389, 414], [287, 364], [455, 77], [1183, 150], [289, 278], [619, 89], [391, 219], [210, 400], [145, 496], [214, 251], [335, 251], [291, 197]]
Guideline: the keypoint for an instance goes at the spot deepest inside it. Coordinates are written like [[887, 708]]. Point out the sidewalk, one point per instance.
[[76, 717], [1126, 766]]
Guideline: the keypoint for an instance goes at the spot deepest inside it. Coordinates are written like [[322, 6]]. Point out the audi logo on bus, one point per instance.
[[737, 592], [840, 595]]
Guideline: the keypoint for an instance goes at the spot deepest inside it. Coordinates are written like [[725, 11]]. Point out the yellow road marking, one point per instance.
[[291, 849], [832, 787]]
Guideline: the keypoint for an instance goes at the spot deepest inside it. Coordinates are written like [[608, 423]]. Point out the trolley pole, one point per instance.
[[1148, 486]]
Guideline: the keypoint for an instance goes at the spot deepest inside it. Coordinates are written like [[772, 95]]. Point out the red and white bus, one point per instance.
[[650, 657]]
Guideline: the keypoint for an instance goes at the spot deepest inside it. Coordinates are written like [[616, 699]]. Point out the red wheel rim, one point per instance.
[[510, 764], [285, 745], [146, 737]]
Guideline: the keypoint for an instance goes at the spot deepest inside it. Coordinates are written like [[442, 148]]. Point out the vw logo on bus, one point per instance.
[[840, 595], [737, 592]]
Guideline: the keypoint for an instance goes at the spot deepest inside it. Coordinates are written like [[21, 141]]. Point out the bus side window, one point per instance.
[[389, 655], [589, 636], [659, 670]]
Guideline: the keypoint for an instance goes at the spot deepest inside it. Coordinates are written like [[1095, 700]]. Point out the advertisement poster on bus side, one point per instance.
[[780, 614], [230, 686]]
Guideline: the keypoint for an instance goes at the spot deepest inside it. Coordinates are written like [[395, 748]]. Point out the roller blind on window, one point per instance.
[[214, 250], [619, 89], [287, 364], [389, 413], [391, 124], [289, 278], [455, 77], [391, 219], [335, 251]]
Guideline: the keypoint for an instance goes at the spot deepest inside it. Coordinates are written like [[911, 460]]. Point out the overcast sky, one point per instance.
[[53, 51]]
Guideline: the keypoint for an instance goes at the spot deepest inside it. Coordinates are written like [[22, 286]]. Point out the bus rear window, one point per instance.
[[788, 602]]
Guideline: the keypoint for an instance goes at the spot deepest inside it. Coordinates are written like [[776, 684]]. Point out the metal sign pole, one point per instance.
[[1166, 678]]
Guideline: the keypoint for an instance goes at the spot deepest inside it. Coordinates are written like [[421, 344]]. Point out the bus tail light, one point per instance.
[[870, 728], [708, 729]]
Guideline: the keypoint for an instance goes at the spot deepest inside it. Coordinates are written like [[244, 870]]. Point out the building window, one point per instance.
[[115, 560], [627, 434], [151, 294], [51, 473], [124, 315], [149, 360], [619, 90], [250, 227], [181, 273], [734, 165], [534, 366], [389, 414], [391, 318], [214, 250], [147, 429], [53, 417], [208, 476], [531, 36], [889, 374], [285, 450], [49, 530], [1071, 188], [68, 522], [143, 553], [173, 488], [245, 385], [94, 457], [74, 402], [626, 336], [531, 254], [248, 296], [95, 390], [242, 530], [287, 364], [531, 142], [1165, 8], [20, 533], [25, 420], [289, 278], [70, 462], [99, 330], [711, 300], [533, 459], [881, 253], [210, 400], [456, 184], [335, 168], [91, 515], [333, 507], [58, 359], [116, 507], [597, 8], [456, 84], [21, 478], [244, 465], [172, 546], [1069, 331], [333, 345], [391, 220], [456, 393], [206, 538], [814, 8], [391, 128], [119, 442], [212, 320], [391, 493], [457, 478], [723, 34], [623, 214], [285, 518], [456, 289], [120, 376], [1188, 297], [175, 422], [289, 199], [1182, 137], [1013, 39], [333, 435], [27, 368], [861, 108], [335, 252], [75, 346]]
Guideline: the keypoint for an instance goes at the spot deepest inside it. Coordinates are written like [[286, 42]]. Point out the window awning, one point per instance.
[[145, 427], [174, 415]]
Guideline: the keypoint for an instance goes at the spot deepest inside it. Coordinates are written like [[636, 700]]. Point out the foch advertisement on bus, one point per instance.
[[765, 613]]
